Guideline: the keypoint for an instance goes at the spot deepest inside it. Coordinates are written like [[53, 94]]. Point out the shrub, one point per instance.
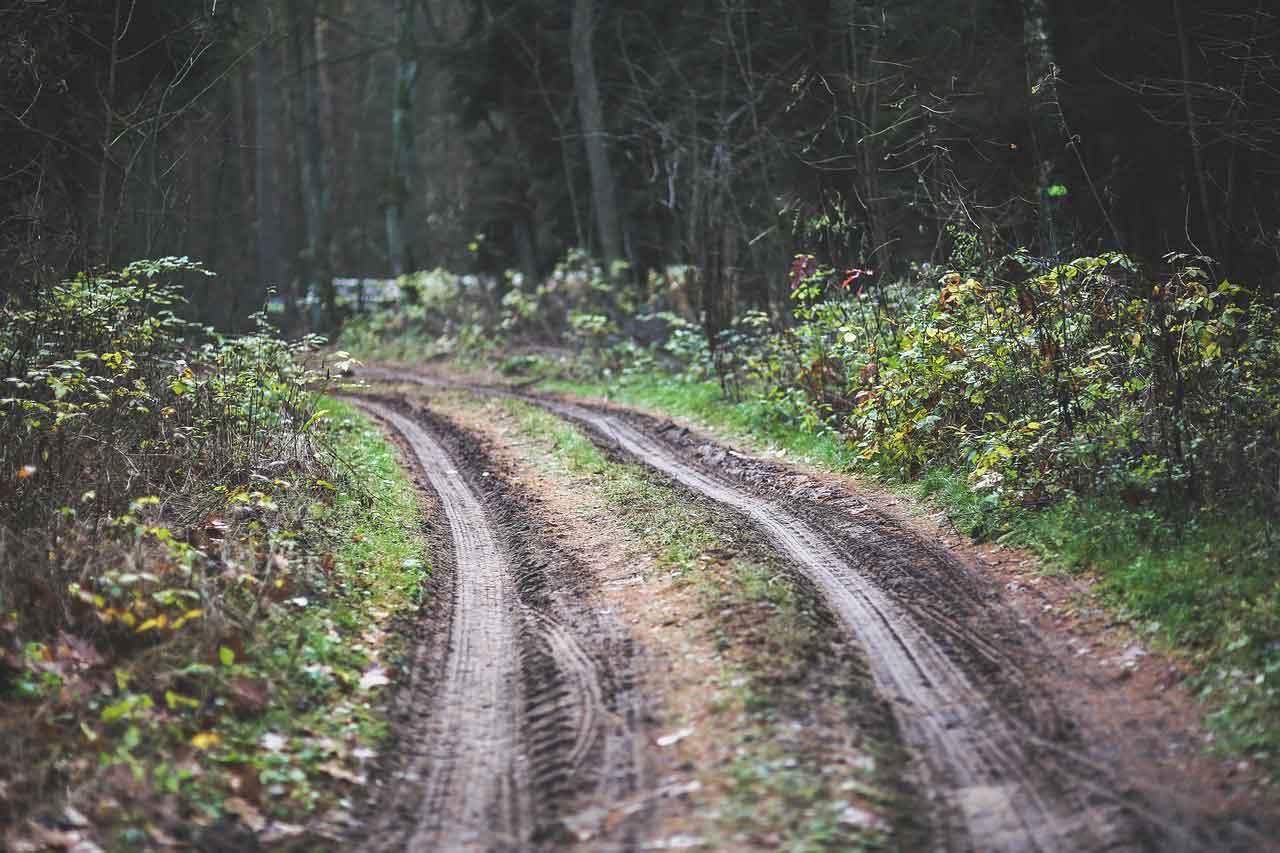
[[111, 400]]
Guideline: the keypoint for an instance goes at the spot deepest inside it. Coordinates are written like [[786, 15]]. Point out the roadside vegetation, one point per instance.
[[199, 559], [1106, 416]]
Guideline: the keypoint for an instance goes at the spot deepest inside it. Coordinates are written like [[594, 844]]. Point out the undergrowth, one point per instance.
[[198, 557]]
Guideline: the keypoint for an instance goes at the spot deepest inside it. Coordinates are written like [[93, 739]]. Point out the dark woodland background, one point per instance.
[[284, 143]]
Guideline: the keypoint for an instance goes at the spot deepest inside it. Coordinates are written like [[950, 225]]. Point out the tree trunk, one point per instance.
[[265, 184], [102, 236], [604, 193], [403, 153], [1040, 61], [315, 274], [1193, 134]]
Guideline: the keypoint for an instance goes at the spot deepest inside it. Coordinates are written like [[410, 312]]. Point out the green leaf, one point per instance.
[[227, 656]]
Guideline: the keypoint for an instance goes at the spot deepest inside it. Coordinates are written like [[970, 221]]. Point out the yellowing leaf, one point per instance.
[[187, 617], [175, 700], [158, 622], [205, 740]]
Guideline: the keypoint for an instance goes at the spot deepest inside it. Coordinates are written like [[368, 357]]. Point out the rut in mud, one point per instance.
[[983, 763], [525, 705], [1005, 769], [1008, 772]]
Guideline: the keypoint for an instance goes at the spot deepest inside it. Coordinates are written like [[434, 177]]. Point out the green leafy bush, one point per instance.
[[1085, 379]]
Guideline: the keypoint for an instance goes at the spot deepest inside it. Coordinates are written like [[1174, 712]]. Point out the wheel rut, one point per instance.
[[535, 707], [974, 757]]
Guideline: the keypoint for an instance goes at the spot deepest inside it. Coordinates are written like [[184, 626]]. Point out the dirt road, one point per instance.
[[1005, 770], [533, 709]]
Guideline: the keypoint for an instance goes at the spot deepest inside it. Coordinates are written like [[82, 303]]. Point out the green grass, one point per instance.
[[753, 419], [1206, 586]]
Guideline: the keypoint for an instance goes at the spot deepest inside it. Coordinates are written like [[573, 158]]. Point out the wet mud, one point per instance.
[[523, 702]]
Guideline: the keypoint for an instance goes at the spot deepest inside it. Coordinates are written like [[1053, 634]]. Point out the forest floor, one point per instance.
[[639, 636]]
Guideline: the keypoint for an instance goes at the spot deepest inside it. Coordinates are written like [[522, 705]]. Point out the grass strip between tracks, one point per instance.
[[1203, 587], [776, 794]]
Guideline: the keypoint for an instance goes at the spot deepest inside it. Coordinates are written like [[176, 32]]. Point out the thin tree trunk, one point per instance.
[[604, 191], [1193, 133], [102, 238], [244, 147], [1040, 61], [265, 193], [315, 273], [403, 153]]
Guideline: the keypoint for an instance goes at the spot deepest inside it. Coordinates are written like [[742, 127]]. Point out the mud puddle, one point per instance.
[[523, 702]]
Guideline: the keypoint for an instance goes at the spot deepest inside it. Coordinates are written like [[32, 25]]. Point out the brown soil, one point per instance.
[[525, 706], [699, 652]]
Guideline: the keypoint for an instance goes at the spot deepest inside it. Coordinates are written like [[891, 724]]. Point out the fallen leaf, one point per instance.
[[81, 651], [73, 818], [376, 677], [337, 771], [245, 810], [277, 832], [674, 737], [274, 742], [249, 695], [162, 838]]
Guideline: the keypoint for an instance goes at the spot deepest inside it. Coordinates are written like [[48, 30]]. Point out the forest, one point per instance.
[[518, 424]]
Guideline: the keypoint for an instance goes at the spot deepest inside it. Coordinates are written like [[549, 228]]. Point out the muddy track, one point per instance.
[[976, 757], [1006, 771], [535, 708]]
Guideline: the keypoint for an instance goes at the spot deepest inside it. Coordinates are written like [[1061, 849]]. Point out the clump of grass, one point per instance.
[[753, 420]]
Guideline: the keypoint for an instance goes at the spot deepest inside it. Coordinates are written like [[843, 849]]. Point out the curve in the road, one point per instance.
[[472, 782]]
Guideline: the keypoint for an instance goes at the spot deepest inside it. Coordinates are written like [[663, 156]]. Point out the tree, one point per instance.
[[604, 189], [404, 160]]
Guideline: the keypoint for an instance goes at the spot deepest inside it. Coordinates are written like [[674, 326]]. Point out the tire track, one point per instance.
[[996, 790], [531, 711], [472, 781]]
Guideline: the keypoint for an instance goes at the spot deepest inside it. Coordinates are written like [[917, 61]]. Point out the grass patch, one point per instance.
[[754, 420]]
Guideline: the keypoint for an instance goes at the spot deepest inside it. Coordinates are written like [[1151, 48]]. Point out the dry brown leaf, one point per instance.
[[337, 771], [246, 811]]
